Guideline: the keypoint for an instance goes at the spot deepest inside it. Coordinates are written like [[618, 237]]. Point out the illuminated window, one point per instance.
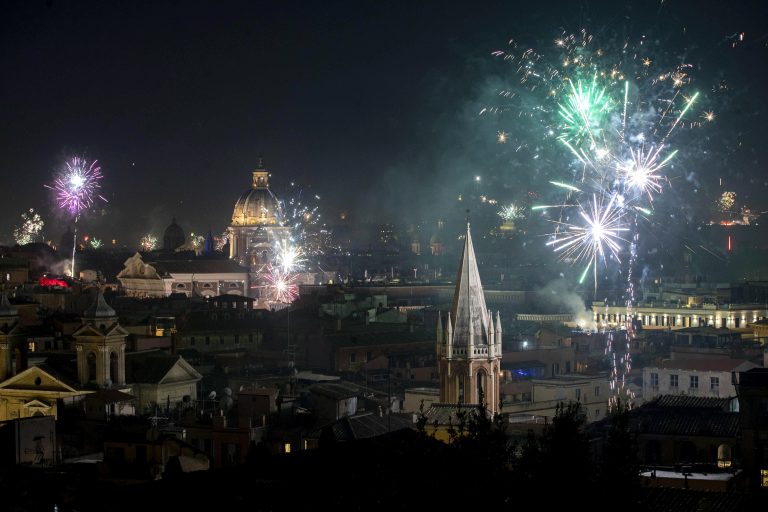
[[724, 456], [287, 447], [764, 478], [30, 346]]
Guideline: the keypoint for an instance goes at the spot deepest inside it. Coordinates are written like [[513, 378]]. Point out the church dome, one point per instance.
[[257, 206], [173, 237]]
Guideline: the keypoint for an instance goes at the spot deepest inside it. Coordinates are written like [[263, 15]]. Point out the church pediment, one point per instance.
[[37, 404], [116, 330], [11, 330], [88, 330], [35, 378], [181, 371]]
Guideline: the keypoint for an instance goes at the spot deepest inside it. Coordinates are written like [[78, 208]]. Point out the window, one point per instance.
[[597, 390], [673, 381], [180, 285], [764, 478], [597, 413], [369, 356], [221, 340], [352, 357], [694, 382], [655, 380], [578, 395], [714, 383]]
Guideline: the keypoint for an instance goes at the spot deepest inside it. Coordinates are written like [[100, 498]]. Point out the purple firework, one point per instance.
[[77, 184]]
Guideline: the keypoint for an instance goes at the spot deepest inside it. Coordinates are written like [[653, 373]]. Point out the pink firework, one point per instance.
[[76, 187], [282, 284]]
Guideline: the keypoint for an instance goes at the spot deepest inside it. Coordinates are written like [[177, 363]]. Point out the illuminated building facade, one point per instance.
[[257, 225], [671, 316], [469, 341]]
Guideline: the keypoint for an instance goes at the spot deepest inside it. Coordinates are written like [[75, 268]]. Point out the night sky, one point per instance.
[[372, 105]]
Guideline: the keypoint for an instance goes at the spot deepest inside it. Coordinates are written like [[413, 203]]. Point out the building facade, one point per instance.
[[193, 278], [704, 377], [672, 316], [257, 226]]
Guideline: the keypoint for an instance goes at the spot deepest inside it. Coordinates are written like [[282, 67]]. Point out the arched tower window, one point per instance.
[[460, 388], [480, 384], [91, 361], [113, 366]]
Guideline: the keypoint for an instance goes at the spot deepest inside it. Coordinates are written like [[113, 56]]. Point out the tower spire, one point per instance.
[[468, 311]]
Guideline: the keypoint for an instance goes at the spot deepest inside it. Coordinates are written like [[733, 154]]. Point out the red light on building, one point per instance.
[[52, 281]]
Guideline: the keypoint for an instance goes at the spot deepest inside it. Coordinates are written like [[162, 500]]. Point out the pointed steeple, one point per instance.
[[468, 311]]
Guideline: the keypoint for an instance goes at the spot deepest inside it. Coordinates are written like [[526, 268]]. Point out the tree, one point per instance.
[[619, 465]]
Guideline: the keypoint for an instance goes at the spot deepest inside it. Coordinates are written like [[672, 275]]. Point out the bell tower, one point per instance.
[[469, 341], [10, 337], [100, 345]]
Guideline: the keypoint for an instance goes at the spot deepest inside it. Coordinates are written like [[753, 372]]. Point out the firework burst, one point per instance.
[[301, 213], [76, 189], [31, 228], [289, 257], [511, 212], [610, 112], [641, 171], [148, 242], [597, 238], [77, 184], [282, 285]]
